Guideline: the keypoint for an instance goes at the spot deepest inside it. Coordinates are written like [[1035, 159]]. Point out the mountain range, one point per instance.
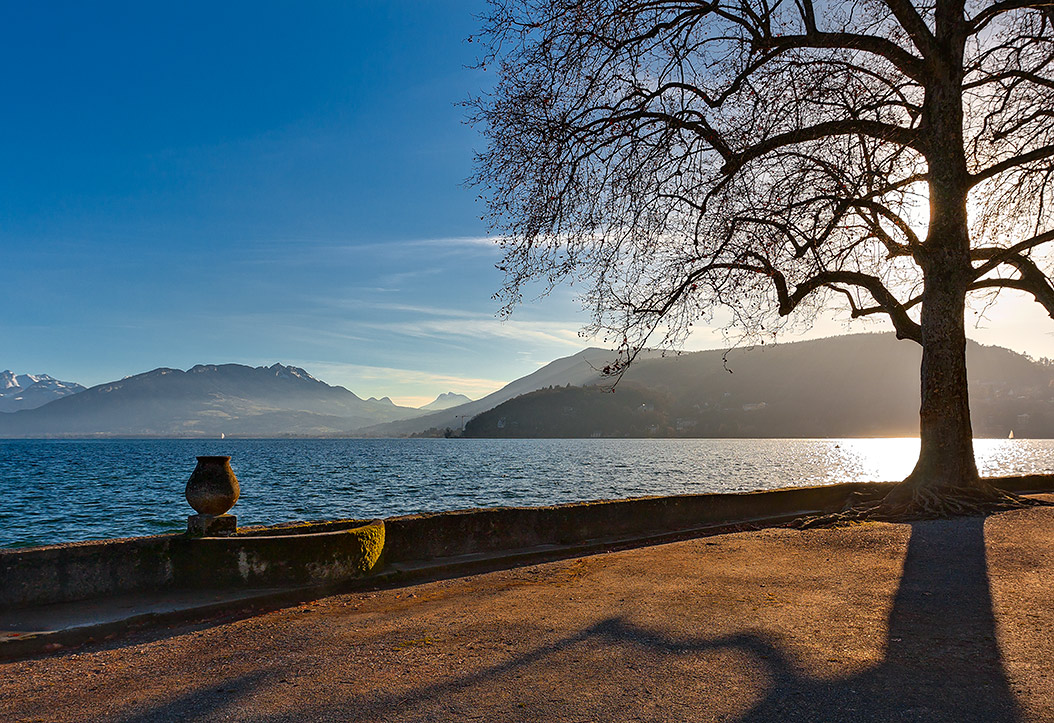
[[863, 385], [204, 401], [857, 385]]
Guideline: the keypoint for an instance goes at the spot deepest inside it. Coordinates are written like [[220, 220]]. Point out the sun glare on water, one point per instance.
[[892, 459], [880, 460]]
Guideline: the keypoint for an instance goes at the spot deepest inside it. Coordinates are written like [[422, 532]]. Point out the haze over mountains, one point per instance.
[[858, 385], [578, 369], [849, 386]]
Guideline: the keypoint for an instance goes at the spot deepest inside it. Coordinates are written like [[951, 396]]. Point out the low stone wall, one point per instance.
[[331, 552], [59, 573], [445, 534], [84, 570]]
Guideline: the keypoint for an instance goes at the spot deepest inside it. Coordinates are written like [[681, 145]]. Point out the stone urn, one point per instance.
[[212, 490]]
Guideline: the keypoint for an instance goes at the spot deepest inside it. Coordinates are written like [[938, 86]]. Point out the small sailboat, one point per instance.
[[1011, 435], [224, 436]]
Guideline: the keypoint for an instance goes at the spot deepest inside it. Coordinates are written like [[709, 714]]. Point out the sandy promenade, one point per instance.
[[946, 620]]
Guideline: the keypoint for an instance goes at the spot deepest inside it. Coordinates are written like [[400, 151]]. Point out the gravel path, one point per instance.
[[934, 621]]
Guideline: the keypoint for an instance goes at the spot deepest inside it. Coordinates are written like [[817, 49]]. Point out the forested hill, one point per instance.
[[859, 385]]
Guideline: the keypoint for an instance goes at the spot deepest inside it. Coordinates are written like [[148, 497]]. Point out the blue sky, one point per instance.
[[255, 182]]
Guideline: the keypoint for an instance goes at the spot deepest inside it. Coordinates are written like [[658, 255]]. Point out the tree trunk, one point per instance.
[[946, 457], [945, 479]]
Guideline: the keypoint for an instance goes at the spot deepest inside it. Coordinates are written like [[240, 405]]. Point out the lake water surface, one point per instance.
[[67, 490]]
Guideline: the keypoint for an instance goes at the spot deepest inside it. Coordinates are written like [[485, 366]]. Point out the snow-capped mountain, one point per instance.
[[29, 391]]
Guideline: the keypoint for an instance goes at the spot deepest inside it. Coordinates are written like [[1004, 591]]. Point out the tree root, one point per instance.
[[920, 504]]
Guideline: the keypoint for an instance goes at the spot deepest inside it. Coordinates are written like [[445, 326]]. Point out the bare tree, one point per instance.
[[773, 157]]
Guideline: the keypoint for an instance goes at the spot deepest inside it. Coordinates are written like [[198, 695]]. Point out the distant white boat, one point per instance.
[[1011, 435], [224, 436]]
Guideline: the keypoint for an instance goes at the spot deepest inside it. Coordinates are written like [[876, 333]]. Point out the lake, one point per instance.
[[67, 490]]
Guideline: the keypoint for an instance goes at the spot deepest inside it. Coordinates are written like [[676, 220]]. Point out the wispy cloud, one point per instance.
[[549, 332], [359, 304], [437, 322], [442, 242], [307, 252], [456, 241]]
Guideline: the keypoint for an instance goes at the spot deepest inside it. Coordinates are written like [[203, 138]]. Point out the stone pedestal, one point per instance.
[[205, 525]]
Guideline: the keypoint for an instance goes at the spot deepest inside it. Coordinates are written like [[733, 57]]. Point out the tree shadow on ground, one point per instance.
[[942, 659], [219, 697]]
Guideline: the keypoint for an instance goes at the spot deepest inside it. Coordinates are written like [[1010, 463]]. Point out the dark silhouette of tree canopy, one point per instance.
[[770, 157]]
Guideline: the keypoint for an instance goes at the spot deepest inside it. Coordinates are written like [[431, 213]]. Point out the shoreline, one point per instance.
[[302, 561]]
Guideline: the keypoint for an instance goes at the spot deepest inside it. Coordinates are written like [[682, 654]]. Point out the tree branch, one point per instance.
[[979, 21], [905, 326], [1013, 74], [908, 17], [873, 129], [994, 256], [1043, 294], [908, 64], [1037, 154]]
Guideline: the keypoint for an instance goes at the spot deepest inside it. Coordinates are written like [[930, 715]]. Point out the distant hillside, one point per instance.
[[207, 400], [859, 385], [29, 391], [445, 401], [577, 412], [579, 369]]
